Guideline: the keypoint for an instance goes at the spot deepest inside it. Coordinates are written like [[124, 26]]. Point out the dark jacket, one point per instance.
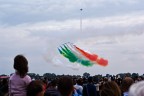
[[52, 92], [89, 90]]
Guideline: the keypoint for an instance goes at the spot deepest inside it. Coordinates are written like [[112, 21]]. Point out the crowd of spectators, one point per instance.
[[21, 84]]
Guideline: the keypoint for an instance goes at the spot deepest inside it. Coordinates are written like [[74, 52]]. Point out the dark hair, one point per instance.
[[79, 81], [65, 86], [21, 65], [53, 82], [90, 79], [110, 89], [126, 83], [34, 88]]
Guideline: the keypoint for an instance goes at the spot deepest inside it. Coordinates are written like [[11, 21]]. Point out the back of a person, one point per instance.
[[76, 92], [65, 86], [110, 88], [126, 83], [137, 89], [78, 89], [52, 89], [19, 80], [4, 87], [17, 85], [35, 88], [97, 88], [89, 89], [79, 92]]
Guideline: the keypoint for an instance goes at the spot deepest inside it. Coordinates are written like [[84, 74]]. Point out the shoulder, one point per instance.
[[91, 86], [79, 87], [27, 78], [13, 76]]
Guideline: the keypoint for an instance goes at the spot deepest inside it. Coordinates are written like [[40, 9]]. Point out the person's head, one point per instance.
[[110, 88], [90, 79], [21, 65], [79, 81], [35, 88], [136, 89], [53, 84], [126, 83], [65, 86]]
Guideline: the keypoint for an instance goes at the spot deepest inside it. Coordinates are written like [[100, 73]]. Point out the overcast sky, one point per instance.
[[113, 29]]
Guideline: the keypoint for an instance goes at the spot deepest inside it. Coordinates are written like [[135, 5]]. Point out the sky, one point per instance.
[[113, 29]]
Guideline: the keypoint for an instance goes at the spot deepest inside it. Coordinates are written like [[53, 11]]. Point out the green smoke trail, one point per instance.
[[69, 54]]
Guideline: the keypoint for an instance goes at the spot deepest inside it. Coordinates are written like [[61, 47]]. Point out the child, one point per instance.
[[19, 81]]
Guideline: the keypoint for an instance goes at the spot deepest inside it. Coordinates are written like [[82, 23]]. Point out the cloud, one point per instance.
[[17, 12], [36, 28]]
